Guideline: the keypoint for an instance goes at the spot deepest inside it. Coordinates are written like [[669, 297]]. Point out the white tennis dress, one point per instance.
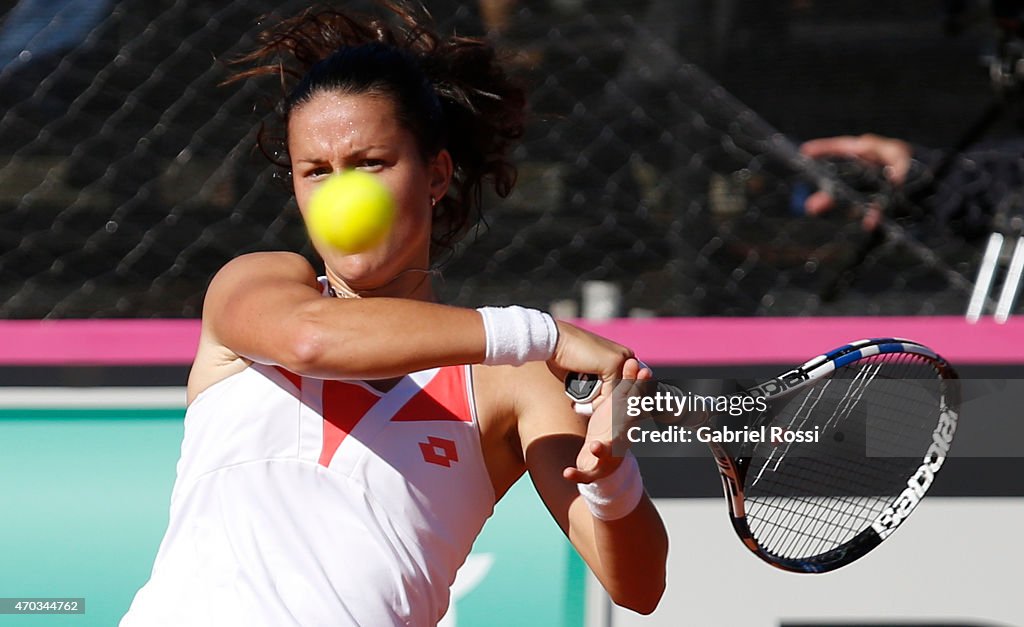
[[306, 502]]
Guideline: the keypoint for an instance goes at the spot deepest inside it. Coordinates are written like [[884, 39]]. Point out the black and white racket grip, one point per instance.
[[584, 389]]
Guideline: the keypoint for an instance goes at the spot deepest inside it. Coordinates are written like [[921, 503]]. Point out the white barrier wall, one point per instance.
[[956, 560]]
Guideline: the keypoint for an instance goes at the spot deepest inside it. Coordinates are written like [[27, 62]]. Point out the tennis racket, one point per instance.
[[885, 411]]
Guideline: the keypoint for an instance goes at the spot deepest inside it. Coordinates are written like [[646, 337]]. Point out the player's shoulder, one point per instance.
[[253, 268], [256, 271], [281, 261]]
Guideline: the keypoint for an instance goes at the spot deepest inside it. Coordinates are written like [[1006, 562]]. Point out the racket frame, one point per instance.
[[733, 470]]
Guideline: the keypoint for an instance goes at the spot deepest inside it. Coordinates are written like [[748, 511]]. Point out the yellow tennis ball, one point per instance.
[[351, 211]]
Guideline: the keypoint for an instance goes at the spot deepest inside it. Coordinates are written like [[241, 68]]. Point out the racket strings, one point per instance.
[[895, 438], [835, 522], [860, 480], [847, 507], [804, 499], [843, 516], [835, 518], [827, 521]]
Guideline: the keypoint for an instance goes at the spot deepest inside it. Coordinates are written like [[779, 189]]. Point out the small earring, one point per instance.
[[433, 201]]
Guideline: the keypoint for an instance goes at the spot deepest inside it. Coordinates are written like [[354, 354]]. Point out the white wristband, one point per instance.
[[616, 495], [516, 335]]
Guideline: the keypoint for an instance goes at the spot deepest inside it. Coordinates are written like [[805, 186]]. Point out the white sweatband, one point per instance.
[[616, 495], [516, 335]]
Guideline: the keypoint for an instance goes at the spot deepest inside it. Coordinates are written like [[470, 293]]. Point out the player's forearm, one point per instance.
[[627, 555], [382, 337]]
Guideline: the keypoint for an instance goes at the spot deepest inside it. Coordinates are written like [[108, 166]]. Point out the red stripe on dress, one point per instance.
[[345, 405], [443, 398], [291, 376]]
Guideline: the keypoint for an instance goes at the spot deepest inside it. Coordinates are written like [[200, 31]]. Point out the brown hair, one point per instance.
[[449, 92]]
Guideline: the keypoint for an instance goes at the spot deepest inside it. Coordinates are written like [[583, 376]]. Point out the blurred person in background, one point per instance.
[[971, 193]]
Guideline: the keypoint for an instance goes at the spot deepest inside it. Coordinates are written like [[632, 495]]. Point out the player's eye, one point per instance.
[[371, 164], [317, 172]]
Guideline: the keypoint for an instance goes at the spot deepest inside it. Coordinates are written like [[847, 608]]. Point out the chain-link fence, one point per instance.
[[128, 176]]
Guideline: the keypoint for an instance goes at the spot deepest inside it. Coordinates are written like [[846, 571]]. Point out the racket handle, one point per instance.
[[584, 389]]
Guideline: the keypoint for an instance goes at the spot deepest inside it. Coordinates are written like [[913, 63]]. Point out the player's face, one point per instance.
[[335, 131]]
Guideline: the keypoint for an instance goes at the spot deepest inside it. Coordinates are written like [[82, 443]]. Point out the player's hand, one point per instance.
[[582, 351], [893, 156], [595, 459]]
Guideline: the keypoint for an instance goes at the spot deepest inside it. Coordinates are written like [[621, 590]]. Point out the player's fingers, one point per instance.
[[578, 475], [636, 370], [636, 381], [571, 473], [591, 455], [630, 369], [587, 469], [607, 390], [611, 377], [583, 476]]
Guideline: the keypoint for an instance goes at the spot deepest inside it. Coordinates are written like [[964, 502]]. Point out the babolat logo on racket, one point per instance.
[[921, 480], [779, 384]]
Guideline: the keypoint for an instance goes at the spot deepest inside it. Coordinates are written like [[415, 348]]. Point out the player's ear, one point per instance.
[[440, 169]]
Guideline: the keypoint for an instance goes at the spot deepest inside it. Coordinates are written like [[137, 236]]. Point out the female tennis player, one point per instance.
[[347, 436]]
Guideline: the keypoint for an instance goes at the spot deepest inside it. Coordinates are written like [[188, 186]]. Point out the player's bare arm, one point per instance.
[[627, 554], [268, 308]]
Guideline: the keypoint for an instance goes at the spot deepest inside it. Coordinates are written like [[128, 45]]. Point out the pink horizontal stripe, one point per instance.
[[785, 341], [98, 342], [658, 341]]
